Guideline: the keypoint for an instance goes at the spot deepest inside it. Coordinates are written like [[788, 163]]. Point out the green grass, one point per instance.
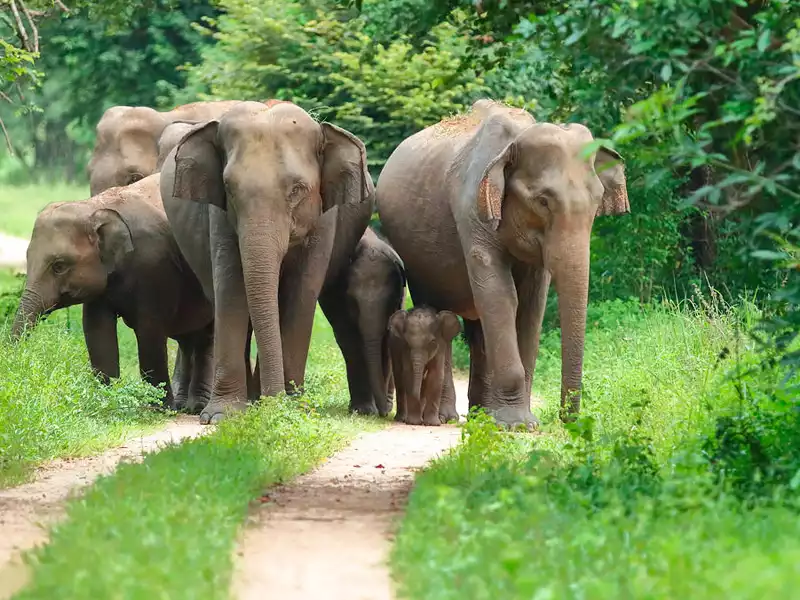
[[678, 481], [19, 204], [167, 528]]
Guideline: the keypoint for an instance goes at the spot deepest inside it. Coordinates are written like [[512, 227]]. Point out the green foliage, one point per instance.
[[327, 63], [51, 405], [668, 485], [19, 204]]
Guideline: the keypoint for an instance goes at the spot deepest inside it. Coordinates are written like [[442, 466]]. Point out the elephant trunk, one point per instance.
[[373, 350], [418, 371], [31, 307], [262, 254], [571, 275]]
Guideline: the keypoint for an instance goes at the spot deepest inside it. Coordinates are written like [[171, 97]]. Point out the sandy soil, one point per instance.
[[12, 252], [28, 511], [328, 534]]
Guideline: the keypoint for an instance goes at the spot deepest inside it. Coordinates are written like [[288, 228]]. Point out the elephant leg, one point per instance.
[[153, 363], [231, 319], [398, 377], [432, 391], [532, 286], [447, 406], [302, 279], [182, 375], [333, 304], [496, 302], [202, 370], [478, 376], [100, 334]]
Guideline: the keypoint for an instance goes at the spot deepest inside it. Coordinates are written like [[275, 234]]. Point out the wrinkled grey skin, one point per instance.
[[375, 290], [115, 255], [126, 149], [266, 205], [418, 341], [508, 204]]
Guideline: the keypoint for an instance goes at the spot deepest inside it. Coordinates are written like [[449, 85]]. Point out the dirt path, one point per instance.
[[328, 534], [12, 252], [28, 511]]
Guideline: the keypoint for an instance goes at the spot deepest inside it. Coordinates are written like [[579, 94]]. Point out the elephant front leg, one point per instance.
[[478, 376], [397, 377], [100, 334], [333, 303], [153, 363], [182, 375], [496, 303], [532, 286], [432, 390], [202, 370], [231, 322]]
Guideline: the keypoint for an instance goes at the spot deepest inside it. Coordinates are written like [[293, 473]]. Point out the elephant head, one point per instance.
[[170, 137], [126, 147], [74, 248], [540, 195], [425, 333], [273, 170]]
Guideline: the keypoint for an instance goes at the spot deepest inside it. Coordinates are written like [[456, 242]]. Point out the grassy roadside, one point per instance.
[[677, 482]]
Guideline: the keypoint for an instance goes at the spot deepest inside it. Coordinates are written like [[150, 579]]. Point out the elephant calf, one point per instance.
[[115, 254], [418, 343], [375, 289]]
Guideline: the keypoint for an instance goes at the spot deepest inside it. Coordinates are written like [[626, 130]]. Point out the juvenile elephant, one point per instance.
[[115, 254], [127, 145], [508, 203], [266, 205], [418, 343], [376, 286]]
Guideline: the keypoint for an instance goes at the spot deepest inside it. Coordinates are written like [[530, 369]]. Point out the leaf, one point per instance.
[[666, 71], [763, 40], [768, 255]]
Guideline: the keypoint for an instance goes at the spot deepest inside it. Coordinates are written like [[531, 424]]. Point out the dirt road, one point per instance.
[[328, 534], [28, 511]]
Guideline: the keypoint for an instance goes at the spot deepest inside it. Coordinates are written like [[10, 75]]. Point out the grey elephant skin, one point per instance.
[[127, 140], [418, 344], [507, 204], [115, 255], [375, 288], [267, 205]]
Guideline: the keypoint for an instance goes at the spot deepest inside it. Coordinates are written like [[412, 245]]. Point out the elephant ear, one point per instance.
[[397, 323], [611, 170], [491, 189], [113, 237], [448, 325], [198, 167], [345, 177]]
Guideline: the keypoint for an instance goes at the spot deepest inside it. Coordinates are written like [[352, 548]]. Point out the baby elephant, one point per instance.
[[418, 341]]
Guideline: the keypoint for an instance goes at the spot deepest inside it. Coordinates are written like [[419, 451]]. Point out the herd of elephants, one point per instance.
[[219, 220]]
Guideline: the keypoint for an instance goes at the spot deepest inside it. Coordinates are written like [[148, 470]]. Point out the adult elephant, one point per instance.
[[508, 203], [126, 147], [267, 206], [115, 255]]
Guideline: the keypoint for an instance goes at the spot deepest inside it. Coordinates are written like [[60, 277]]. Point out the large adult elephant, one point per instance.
[[507, 204], [267, 206], [115, 255], [126, 147]]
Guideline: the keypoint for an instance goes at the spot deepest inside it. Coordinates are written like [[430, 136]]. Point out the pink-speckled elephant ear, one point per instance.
[[611, 170], [198, 167], [345, 176], [491, 189]]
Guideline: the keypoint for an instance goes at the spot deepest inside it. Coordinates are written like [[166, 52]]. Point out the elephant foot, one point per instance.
[[432, 421], [364, 409], [400, 417], [415, 420], [216, 411], [194, 406], [447, 414], [513, 417]]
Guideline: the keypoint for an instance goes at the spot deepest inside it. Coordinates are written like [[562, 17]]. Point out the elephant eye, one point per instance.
[[297, 192], [544, 201], [59, 267]]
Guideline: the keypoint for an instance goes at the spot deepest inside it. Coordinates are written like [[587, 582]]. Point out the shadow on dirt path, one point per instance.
[[328, 533], [28, 511]]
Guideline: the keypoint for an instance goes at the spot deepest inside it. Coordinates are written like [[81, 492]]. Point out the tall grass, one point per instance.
[[678, 481], [19, 204]]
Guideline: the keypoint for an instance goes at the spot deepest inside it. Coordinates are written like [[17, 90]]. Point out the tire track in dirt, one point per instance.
[[328, 534], [28, 511]]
